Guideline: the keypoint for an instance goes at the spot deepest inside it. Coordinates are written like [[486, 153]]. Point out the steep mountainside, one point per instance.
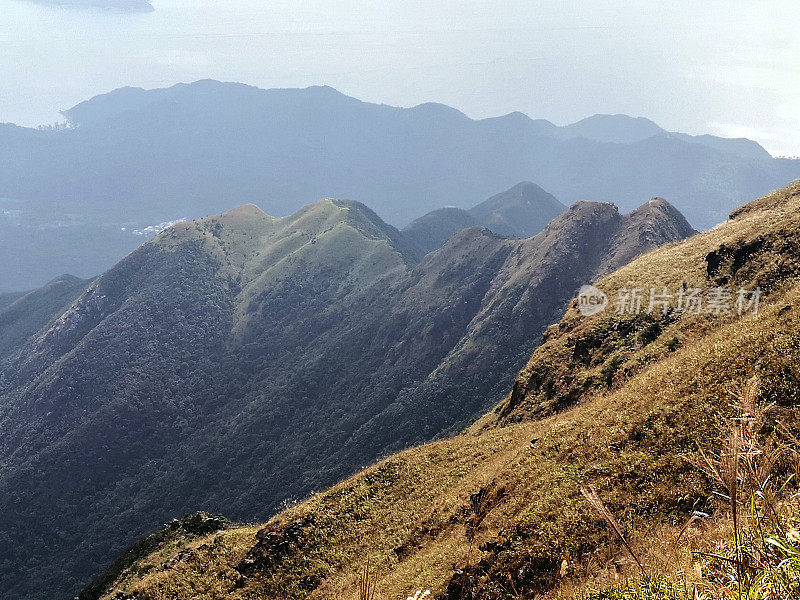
[[521, 211], [619, 401], [136, 159], [22, 315], [10, 297], [240, 360]]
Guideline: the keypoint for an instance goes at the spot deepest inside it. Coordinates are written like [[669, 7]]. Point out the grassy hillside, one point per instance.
[[617, 402], [242, 360]]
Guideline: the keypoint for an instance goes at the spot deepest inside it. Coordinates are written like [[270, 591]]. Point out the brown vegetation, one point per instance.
[[637, 443]]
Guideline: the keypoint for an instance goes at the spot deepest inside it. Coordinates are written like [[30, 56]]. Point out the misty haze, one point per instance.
[[114, 5], [399, 301]]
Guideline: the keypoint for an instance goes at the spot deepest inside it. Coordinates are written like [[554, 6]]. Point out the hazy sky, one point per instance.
[[729, 67]]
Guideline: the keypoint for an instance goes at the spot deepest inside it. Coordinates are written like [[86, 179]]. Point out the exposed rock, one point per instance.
[[195, 524], [199, 523], [723, 264], [273, 545]]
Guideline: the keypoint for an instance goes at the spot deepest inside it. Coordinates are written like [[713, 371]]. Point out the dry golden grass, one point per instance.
[[412, 517], [750, 550]]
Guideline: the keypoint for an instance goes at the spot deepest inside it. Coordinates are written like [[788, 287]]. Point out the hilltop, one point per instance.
[[521, 211], [242, 360], [618, 401]]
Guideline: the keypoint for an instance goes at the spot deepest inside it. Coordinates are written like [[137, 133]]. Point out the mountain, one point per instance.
[[621, 403], [622, 129], [521, 211], [76, 199], [433, 229], [239, 361], [22, 315], [8, 298], [739, 146], [616, 129]]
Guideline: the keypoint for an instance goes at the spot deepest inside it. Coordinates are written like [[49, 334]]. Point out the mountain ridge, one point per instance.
[[521, 211], [286, 351], [613, 402], [599, 127], [140, 159]]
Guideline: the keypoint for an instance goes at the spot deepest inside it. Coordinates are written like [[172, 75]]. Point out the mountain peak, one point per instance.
[[661, 211], [653, 205], [325, 90], [240, 215], [244, 211], [521, 211], [433, 229], [616, 128], [370, 224], [586, 209], [651, 225], [440, 110]]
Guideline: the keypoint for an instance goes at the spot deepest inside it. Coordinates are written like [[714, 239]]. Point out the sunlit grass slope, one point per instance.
[[617, 402]]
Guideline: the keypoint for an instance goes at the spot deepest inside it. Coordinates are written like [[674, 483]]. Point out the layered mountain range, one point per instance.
[[77, 199], [522, 211], [586, 476], [239, 361]]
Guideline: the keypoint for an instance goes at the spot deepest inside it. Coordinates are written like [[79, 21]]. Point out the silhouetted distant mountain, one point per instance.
[[433, 229], [617, 129], [242, 359], [739, 146], [135, 159], [522, 211], [622, 129]]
